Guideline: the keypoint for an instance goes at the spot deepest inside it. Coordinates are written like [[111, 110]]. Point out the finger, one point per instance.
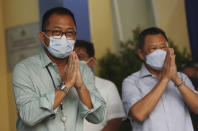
[[167, 54], [70, 59], [70, 64], [67, 66], [75, 62], [77, 67], [172, 55], [76, 58], [167, 59], [171, 52], [173, 60], [74, 67], [65, 71], [71, 70]]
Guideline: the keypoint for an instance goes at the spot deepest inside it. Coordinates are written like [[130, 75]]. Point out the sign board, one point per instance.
[[21, 42]]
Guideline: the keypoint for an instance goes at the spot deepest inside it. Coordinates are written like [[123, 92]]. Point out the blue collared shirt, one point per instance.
[[171, 112], [34, 96]]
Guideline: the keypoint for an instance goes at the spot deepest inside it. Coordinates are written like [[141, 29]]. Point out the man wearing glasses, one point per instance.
[[53, 91]]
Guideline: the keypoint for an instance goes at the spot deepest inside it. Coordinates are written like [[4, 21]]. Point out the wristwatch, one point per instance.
[[63, 87]]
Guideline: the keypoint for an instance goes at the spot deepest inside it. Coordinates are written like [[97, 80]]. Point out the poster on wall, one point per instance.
[[21, 42]]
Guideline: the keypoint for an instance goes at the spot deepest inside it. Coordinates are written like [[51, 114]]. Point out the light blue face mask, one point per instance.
[[86, 62], [156, 59], [60, 47]]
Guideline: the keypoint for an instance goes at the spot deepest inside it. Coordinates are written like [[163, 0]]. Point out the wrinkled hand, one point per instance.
[[166, 67], [79, 81], [173, 66], [70, 71], [169, 70]]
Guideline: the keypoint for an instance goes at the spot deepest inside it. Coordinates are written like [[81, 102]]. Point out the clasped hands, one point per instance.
[[72, 75], [169, 70]]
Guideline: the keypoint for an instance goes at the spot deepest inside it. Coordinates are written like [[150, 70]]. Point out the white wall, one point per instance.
[[171, 16], [167, 14], [131, 13]]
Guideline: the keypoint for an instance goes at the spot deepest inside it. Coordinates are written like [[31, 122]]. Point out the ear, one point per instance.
[[141, 54], [42, 39], [92, 62]]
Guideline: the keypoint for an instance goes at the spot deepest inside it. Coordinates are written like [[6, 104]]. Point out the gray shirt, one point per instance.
[[34, 96], [171, 112]]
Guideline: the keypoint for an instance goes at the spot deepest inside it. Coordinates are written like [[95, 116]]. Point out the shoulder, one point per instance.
[[84, 68], [104, 84], [87, 74], [130, 83], [132, 78], [22, 71], [86, 71], [104, 81], [28, 63], [107, 89]]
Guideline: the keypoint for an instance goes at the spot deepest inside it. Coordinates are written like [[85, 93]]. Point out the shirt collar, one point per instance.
[[45, 60], [144, 72]]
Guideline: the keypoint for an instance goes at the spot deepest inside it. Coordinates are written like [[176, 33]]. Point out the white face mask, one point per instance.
[[156, 59], [86, 62], [60, 48]]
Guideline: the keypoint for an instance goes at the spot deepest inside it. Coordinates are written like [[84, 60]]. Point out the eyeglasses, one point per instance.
[[58, 34]]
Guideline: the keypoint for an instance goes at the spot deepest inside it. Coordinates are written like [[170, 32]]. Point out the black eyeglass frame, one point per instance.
[[59, 33]]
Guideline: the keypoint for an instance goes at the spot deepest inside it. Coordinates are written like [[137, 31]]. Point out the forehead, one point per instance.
[[156, 39], [190, 69], [80, 50], [60, 21]]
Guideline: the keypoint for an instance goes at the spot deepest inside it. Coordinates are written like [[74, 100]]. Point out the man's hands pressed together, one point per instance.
[[72, 77]]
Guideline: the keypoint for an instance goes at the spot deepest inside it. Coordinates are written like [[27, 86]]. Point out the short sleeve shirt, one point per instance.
[[114, 108], [171, 112]]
